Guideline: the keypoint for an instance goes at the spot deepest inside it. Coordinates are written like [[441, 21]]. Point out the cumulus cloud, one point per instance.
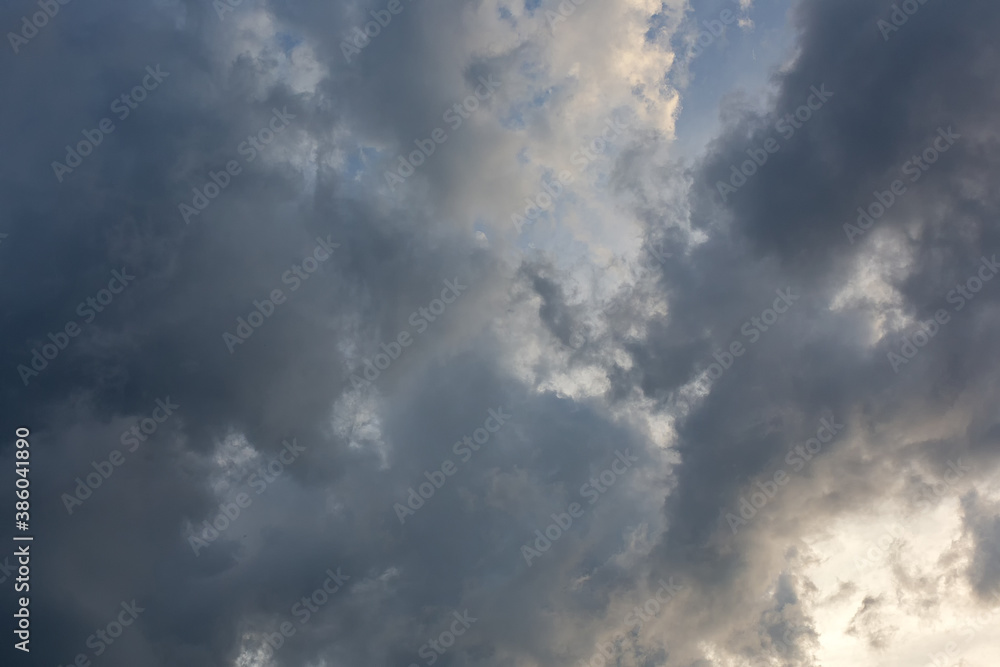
[[353, 251]]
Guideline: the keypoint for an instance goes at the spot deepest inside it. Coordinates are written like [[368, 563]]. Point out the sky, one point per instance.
[[490, 334]]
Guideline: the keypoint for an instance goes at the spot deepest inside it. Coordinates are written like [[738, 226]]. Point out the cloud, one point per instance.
[[594, 326]]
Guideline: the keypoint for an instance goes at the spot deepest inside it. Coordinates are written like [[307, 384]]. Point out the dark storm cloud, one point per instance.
[[290, 379], [781, 218], [889, 99], [367, 446], [785, 226], [163, 335]]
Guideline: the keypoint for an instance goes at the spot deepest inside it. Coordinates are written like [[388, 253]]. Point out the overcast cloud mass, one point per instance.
[[500, 334]]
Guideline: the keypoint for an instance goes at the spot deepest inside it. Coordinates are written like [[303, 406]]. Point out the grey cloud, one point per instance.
[[367, 447]]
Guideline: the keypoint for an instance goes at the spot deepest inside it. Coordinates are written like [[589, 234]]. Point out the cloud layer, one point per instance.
[[559, 392]]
